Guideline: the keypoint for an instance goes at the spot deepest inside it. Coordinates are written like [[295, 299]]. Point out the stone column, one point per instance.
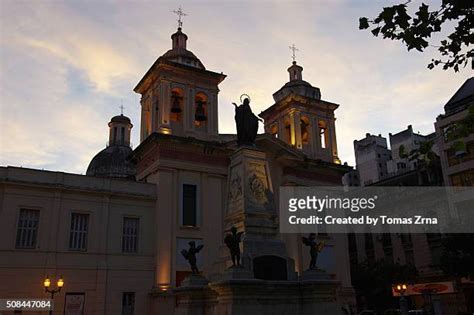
[[189, 111], [297, 124], [153, 112], [165, 103], [292, 129], [213, 119], [142, 120], [333, 140]]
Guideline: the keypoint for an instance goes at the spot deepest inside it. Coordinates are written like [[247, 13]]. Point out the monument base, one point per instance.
[[315, 274], [194, 297], [236, 272], [253, 296]]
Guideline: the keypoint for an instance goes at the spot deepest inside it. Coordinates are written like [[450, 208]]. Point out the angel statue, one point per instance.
[[190, 255], [232, 241], [315, 248]]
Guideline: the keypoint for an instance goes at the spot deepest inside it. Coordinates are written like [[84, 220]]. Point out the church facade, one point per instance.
[[116, 234]]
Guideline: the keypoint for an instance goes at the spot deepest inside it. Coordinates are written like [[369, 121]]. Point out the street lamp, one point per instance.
[[401, 288], [47, 285]]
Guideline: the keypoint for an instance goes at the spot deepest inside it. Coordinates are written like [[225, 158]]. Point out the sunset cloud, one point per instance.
[[66, 66]]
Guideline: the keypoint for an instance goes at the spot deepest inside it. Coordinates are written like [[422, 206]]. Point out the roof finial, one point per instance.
[[180, 14], [294, 49], [121, 107]]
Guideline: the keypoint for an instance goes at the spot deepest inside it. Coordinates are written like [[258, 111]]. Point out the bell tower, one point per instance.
[[301, 118], [179, 96]]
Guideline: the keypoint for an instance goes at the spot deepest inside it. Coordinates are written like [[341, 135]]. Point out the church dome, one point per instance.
[[297, 86], [180, 54], [121, 119], [113, 162]]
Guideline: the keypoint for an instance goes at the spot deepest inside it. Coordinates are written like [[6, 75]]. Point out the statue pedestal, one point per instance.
[[254, 296], [194, 297], [251, 208], [315, 274], [266, 282], [236, 272], [194, 280]]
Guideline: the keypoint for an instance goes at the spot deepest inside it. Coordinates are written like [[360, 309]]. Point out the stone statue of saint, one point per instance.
[[247, 123], [232, 241], [314, 248], [190, 255]]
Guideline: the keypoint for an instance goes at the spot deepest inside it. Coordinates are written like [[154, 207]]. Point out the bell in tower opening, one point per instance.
[[200, 112], [176, 107]]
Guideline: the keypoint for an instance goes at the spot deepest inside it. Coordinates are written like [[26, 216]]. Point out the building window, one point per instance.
[[122, 135], [115, 135], [461, 179], [78, 234], [130, 235], [460, 155], [27, 230], [189, 205], [274, 131], [128, 303]]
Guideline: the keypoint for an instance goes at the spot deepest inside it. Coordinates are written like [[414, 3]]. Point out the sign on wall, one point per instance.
[[432, 287], [74, 304]]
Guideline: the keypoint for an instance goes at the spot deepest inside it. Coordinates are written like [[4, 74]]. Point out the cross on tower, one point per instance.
[[294, 49], [121, 109], [180, 14]]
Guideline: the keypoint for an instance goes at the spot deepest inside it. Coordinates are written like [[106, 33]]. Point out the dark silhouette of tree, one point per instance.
[[458, 255], [373, 282], [415, 30]]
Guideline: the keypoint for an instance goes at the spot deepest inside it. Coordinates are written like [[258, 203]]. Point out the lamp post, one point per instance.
[[401, 288], [47, 285]]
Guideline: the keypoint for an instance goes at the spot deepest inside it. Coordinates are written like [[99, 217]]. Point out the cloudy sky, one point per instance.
[[66, 65]]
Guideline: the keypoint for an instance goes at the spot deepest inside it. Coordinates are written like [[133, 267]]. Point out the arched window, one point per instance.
[[176, 104], [323, 134], [274, 130], [304, 125], [115, 135], [200, 109]]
